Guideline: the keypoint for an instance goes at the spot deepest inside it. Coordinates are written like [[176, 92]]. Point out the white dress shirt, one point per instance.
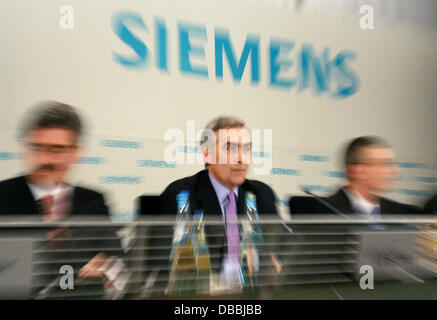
[[361, 204], [62, 195]]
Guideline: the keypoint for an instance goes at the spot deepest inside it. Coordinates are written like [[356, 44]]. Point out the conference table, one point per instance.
[[323, 256]]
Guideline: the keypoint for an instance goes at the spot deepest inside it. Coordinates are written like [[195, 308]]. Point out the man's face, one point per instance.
[[48, 154], [378, 170], [230, 159]]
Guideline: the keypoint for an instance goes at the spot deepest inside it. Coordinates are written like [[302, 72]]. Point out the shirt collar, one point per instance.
[[39, 192], [220, 190], [359, 202]]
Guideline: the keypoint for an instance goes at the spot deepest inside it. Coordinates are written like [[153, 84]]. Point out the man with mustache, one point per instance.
[[51, 135]]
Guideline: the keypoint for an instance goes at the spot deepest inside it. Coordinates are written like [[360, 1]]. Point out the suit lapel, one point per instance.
[[29, 204], [341, 201], [241, 200], [75, 201], [205, 196], [385, 206]]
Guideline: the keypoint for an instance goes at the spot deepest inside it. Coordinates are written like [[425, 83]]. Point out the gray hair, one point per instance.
[[352, 154], [218, 123]]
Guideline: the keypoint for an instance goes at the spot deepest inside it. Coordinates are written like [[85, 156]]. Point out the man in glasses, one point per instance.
[[371, 171], [50, 136]]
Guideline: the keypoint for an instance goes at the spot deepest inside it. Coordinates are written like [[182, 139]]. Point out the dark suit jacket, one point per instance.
[[16, 198], [431, 205], [341, 201], [203, 196]]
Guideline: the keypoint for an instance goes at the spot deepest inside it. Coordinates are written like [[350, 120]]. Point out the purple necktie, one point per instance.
[[232, 231]]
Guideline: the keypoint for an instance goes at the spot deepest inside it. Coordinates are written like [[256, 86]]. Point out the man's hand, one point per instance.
[[276, 264], [91, 269]]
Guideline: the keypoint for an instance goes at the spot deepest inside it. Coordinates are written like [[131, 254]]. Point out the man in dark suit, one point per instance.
[[221, 188], [371, 171], [50, 136], [227, 162], [16, 197], [203, 195]]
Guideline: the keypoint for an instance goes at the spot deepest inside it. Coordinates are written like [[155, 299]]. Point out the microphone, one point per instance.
[[323, 202]]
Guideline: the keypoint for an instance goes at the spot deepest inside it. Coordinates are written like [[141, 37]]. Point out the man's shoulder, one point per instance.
[[338, 195], [183, 183], [11, 184], [398, 207], [257, 185], [431, 204], [87, 193]]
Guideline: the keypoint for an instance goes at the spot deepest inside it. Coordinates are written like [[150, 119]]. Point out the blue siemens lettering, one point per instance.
[[315, 187], [9, 155], [321, 69], [426, 179], [156, 164], [412, 165], [120, 144], [291, 66], [313, 158], [261, 154], [251, 47], [186, 48], [120, 180], [161, 44], [188, 149], [347, 79], [278, 63], [91, 160], [335, 174], [412, 192], [119, 25], [289, 172]]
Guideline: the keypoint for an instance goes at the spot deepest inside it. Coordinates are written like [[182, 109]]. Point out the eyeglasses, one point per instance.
[[384, 163], [56, 149]]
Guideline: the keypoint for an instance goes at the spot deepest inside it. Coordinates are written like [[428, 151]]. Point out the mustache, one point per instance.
[[48, 167]]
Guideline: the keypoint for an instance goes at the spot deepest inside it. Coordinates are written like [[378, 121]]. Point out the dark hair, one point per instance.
[[352, 154], [52, 114]]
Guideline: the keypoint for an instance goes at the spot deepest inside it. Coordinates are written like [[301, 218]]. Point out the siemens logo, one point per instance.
[[412, 192], [120, 144], [412, 165], [9, 155], [91, 160], [120, 180], [426, 179], [188, 149], [156, 164], [313, 158], [290, 65], [289, 172], [315, 187], [261, 154], [335, 174]]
